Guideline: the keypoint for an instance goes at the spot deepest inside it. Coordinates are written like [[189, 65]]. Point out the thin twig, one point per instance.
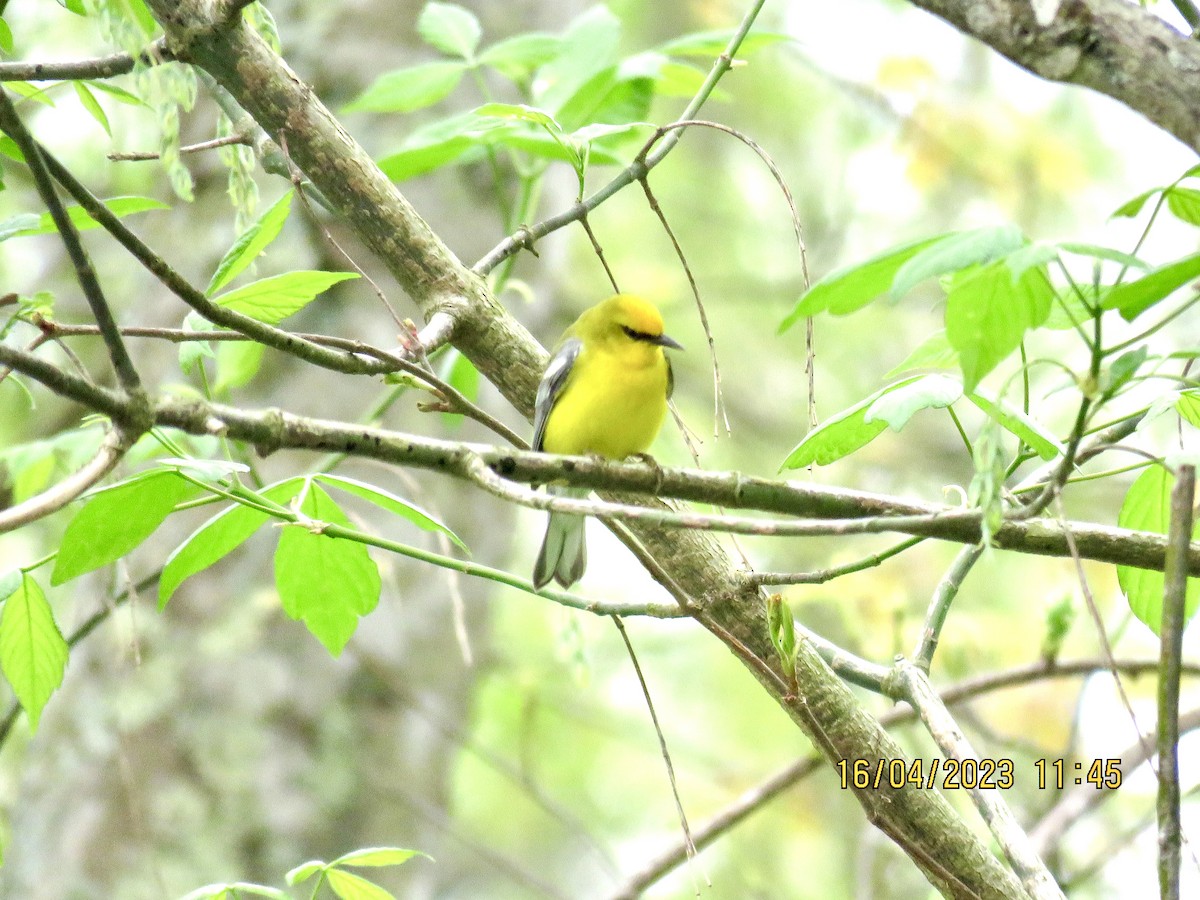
[[456, 401], [1171, 636], [214, 143], [599, 251], [821, 576], [720, 415], [1188, 10], [939, 606], [297, 178], [85, 273], [1098, 622], [662, 740]]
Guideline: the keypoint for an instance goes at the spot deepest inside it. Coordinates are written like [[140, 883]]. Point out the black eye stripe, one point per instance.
[[639, 335]]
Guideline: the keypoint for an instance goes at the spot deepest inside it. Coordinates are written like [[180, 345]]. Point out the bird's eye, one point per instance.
[[637, 335]]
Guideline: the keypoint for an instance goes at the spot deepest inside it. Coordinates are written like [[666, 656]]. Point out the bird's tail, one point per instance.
[[563, 556]]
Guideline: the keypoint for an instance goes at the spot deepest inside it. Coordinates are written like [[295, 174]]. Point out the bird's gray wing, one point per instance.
[[558, 370]]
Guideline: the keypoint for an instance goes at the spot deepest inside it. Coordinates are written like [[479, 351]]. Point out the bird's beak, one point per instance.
[[663, 341]]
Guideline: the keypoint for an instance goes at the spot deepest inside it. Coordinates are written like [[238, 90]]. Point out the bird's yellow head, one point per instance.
[[624, 317]]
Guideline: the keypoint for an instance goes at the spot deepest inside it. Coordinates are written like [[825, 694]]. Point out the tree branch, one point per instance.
[[114, 446], [913, 685], [1171, 633], [1117, 48], [77, 70], [276, 429], [85, 273]]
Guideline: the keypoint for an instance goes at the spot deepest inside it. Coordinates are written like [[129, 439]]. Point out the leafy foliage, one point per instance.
[[33, 654], [1147, 507]]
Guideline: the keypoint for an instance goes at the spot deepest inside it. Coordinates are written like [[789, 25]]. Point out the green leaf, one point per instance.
[[609, 97], [851, 288], [841, 435], [271, 300], [377, 856], [934, 352], [460, 373], [6, 38], [88, 99], [116, 519], [75, 6], [193, 353], [33, 654], [304, 871], [589, 46], [449, 28], [27, 91], [409, 162], [328, 583], [250, 243], [234, 891], [1187, 404], [1032, 432], [349, 886], [987, 315], [519, 112], [405, 90], [1133, 205], [385, 500], [516, 58], [547, 146], [118, 206], [1070, 309], [9, 148], [901, 403], [218, 537], [713, 43], [1123, 368], [219, 473], [1147, 507], [237, 364], [1135, 297], [117, 93], [1095, 251], [954, 252], [675, 79], [19, 225], [137, 12], [1184, 204], [1031, 256]]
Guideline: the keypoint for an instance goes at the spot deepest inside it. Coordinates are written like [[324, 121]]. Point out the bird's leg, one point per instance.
[[659, 475]]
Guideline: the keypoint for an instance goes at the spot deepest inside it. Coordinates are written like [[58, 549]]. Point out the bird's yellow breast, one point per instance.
[[613, 403]]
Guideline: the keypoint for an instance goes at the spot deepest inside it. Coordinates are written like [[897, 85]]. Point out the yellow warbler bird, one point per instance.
[[604, 392]]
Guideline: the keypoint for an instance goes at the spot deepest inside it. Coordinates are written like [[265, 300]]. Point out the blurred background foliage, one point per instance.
[[219, 741]]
